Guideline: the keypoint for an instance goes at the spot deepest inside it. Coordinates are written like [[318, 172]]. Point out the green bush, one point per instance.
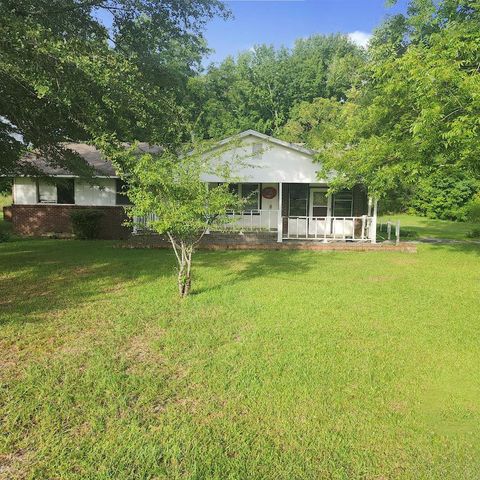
[[86, 223], [473, 209], [475, 233], [445, 194], [4, 236]]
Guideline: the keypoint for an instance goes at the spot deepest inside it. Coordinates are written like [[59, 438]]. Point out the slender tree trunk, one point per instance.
[[183, 253]]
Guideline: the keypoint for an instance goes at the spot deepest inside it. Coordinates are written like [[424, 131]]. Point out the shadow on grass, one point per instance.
[[240, 266], [458, 247], [43, 276]]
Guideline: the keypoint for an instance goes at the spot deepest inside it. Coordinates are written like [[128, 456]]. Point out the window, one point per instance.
[[343, 204], [298, 200], [318, 203], [66, 191], [250, 193], [121, 195]]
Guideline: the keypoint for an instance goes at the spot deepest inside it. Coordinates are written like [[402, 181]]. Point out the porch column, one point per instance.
[[373, 224], [280, 220]]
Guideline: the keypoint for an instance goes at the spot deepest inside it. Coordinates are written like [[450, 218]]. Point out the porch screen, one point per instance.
[[343, 204], [250, 192], [298, 200]]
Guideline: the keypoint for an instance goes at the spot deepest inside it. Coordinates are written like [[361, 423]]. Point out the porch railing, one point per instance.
[[327, 229], [253, 220], [245, 221], [357, 229]]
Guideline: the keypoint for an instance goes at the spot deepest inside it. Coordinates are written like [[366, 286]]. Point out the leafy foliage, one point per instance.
[[260, 87], [419, 108], [86, 223], [444, 194], [169, 189], [64, 76]]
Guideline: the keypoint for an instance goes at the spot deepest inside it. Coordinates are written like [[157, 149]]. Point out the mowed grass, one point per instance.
[[281, 365], [430, 227]]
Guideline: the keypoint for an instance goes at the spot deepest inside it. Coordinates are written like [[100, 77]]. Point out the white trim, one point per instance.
[[262, 136], [51, 175], [280, 218], [310, 201]]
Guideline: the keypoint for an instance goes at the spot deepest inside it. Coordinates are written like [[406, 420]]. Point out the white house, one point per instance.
[[286, 199]]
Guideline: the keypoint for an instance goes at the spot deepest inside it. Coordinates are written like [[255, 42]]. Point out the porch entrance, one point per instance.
[[320, 203]]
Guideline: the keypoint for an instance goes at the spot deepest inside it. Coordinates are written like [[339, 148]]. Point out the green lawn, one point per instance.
[[281, 365], [432, 228]]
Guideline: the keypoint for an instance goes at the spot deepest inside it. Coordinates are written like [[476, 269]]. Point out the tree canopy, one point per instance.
[[418, 109], [65, 75], [259, 88]]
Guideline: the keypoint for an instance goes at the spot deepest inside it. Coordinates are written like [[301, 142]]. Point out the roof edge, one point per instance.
[[268, 138]]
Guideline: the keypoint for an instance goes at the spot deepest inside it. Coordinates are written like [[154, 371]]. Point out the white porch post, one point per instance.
[[373, 224], [280, 219]]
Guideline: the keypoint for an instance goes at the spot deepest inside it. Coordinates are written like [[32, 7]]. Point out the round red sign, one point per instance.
[[269, 192]]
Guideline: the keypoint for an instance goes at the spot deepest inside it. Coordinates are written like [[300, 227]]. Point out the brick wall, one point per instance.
[[38, 220], [219, 239]]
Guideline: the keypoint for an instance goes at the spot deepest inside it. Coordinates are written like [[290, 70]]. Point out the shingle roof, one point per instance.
[[90, 154]]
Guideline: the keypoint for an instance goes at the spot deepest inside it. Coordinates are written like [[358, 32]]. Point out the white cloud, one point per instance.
[[360, 38]]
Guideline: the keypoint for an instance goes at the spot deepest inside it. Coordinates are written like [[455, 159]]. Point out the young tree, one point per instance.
[[167, 188]]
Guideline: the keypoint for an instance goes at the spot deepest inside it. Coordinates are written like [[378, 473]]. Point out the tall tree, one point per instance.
[[66, 75], [260, 87], [419, 110]]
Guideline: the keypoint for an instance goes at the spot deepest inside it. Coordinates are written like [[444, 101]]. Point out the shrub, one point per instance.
[[4, 236], [473, 209], [86, 223], [445, 194], [475, 233]]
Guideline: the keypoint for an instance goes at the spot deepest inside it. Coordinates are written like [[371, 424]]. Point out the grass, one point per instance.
[[432, 228], [281, 365]]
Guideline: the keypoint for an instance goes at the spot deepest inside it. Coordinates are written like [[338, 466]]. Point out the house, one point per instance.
[[285, 198]]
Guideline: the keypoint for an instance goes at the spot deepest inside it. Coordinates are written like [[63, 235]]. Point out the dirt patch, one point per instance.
[[12, 465], [140, 350]]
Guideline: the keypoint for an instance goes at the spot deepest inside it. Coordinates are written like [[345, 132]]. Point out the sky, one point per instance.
[[281, 22]]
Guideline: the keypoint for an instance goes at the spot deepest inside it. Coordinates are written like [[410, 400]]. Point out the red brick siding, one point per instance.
[[38, 220]]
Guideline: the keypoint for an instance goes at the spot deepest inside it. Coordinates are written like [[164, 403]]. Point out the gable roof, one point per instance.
[[104, 168], [268, 138], [93, 157]]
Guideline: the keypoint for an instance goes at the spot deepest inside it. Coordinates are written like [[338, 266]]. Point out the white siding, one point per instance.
[[103, 193], [256, 160], [24, 191]]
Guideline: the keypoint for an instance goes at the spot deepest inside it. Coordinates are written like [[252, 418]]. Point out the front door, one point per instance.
[[320, 203]]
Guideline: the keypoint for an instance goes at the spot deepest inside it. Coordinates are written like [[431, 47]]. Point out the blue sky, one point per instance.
[[280, 22]]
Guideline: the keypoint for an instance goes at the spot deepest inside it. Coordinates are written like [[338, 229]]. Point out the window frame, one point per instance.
[[307, 194], [350, 200]]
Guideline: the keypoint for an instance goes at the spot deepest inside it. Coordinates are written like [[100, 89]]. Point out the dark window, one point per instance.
[[66, 191], [298, 200], [233, 188], [121, 193], [250, 193], [343, 204]]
